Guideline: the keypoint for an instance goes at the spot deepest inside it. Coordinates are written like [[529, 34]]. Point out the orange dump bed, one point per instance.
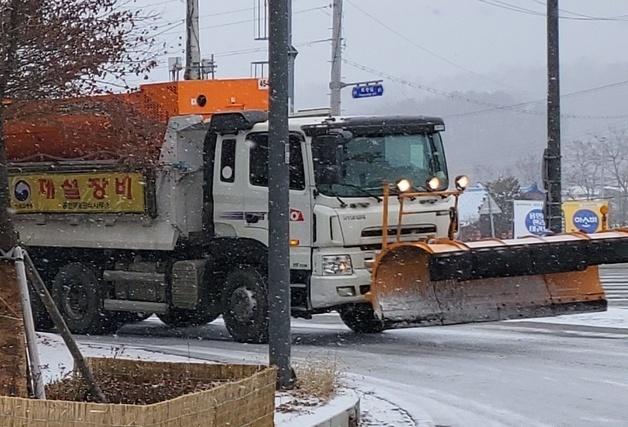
[[127, 127]]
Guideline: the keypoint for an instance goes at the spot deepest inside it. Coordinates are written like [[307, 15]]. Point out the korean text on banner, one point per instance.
[[81, 192], [584, 215], [528, 218]]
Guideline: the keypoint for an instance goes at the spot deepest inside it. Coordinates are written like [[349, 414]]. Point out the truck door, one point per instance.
[[229, 178], [256, 199]]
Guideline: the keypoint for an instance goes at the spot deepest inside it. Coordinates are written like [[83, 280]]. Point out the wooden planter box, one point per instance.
[[246, 399]]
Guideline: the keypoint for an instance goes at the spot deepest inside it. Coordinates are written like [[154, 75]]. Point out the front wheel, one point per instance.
[[361, 318], [245, 303]]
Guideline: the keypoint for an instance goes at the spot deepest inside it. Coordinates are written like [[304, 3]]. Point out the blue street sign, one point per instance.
[[367, 91]]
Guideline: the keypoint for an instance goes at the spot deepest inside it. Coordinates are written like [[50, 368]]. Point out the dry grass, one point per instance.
[[317, 379], [317, 382]]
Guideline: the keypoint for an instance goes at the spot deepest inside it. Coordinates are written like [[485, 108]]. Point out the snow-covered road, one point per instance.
[[569, 372]]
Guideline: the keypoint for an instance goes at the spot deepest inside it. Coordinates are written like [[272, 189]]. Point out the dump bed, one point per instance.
[[120, 171], [113, 205]]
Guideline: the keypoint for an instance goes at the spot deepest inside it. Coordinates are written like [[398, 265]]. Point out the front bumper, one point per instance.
[[324, 291]]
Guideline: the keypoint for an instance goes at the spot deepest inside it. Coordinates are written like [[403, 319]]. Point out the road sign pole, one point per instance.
[[278, 194]]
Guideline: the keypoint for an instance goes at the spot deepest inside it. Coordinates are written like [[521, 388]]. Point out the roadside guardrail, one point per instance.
[[615, 281]]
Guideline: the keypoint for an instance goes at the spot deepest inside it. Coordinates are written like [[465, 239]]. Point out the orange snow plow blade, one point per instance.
[[447, 282], [450, 282]]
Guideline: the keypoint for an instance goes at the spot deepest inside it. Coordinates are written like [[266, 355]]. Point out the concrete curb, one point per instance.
[[342, 411]]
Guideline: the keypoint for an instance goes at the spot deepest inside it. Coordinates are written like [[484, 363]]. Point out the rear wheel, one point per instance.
[[245, 303], [79, 298], [361, 318]]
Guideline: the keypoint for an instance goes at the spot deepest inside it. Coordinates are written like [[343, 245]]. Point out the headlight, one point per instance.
[[403, 185], [462, 182], [337, 265], [433, 184]]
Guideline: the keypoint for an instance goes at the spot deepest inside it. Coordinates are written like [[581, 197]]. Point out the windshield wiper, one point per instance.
[[363, 190], [343, 204]]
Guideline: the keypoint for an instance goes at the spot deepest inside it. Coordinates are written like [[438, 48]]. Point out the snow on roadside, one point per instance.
[[379, 412], [57, 361], [615, 317], [301, 416]]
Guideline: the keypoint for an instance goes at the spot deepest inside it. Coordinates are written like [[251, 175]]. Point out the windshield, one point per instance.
[[349, 167]]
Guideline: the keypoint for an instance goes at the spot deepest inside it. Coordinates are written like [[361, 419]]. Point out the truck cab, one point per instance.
[[338, 168]]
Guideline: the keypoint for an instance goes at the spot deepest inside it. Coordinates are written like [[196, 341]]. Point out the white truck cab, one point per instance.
[[338, 167]]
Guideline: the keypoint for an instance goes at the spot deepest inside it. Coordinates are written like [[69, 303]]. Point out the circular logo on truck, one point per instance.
[[22, 191], [535, 222], [586, 220]]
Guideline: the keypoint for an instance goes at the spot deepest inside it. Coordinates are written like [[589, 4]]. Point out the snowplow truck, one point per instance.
[[175, 222]]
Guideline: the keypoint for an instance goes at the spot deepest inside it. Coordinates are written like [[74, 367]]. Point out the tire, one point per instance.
[[245, 303], [78, 295], [360, 318]]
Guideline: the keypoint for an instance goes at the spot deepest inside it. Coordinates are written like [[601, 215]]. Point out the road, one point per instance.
[[503, 374]]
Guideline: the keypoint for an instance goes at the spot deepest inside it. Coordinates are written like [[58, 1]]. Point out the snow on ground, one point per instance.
[[379, 412], [57, 362], [615, 317], [310, 416]]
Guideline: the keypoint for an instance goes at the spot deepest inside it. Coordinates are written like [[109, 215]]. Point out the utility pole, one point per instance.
[[193, 45], [292, 56], [336, 84], [278, 193], [553, 205]]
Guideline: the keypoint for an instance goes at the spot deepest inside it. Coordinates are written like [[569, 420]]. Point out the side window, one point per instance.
[[258, 162], [227, 160], [297, 175]]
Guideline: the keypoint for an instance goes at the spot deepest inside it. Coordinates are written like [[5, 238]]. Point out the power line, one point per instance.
[[182, 21], [244, 21], [525, 11], [457, 96], [589, 17], [237, 52], [423, 48], [537, 101]]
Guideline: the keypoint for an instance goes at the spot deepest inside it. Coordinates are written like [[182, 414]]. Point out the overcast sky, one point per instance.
[[449, 45]]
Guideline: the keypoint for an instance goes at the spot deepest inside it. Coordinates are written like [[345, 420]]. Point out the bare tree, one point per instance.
[[54, 49], [614, 150], [528, 169], [582, 170]]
